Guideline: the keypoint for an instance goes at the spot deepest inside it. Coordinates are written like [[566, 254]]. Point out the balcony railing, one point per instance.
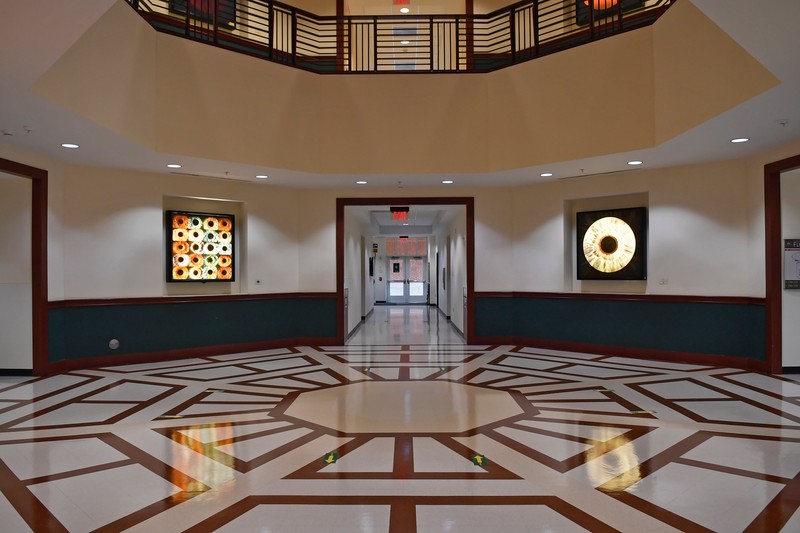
[[398, 43]]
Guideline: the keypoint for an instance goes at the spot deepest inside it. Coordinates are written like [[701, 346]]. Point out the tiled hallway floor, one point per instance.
[[401, 439]]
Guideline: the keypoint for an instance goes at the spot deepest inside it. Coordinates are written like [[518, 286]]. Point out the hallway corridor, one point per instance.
[[405, 324]]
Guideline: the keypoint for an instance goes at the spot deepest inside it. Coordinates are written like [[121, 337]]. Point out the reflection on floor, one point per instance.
[[405, 324], [401, 439]]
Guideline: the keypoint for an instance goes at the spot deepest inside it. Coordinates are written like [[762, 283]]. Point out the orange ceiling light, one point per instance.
[[599, 5]]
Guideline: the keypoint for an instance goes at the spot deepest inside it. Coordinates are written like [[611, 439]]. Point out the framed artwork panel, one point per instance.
[[612, 244], [200, 247]]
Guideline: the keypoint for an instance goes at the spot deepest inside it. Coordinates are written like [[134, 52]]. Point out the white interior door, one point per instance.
[[407, 283]]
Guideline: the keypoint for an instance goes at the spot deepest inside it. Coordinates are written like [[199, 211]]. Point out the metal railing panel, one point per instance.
[[391, 43]]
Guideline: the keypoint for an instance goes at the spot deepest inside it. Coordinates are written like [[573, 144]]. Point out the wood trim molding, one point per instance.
[[616, 297], [773, 257], [38, 179], [156, 300]]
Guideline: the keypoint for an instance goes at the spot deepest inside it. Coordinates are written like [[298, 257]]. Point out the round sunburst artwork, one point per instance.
[[609, 244]]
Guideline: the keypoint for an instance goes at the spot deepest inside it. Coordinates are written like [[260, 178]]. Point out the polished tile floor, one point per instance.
[[401, 437]]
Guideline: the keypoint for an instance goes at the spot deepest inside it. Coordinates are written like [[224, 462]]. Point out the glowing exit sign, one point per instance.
[[402, 2]]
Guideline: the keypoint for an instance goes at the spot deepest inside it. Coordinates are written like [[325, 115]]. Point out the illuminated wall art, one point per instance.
[[612, 244], [200, 247]]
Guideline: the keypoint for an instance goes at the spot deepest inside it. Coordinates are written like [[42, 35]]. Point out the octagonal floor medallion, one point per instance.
[[404, 407]]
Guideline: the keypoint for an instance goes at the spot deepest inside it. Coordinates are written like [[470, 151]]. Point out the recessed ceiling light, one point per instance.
[[405, 42], [546, 174], [405, 223], [740, 140], [361, 182], [635, 162], [404, 10], [447, 182], [262, 176], [70, 145], [173, 165]]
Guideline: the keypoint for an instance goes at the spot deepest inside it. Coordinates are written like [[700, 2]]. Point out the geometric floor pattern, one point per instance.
[[401, 439]]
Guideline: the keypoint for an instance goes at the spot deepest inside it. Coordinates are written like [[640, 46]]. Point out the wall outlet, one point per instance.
[[663, 281]]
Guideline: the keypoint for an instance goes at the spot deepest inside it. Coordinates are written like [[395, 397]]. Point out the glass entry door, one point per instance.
[[407, 281]]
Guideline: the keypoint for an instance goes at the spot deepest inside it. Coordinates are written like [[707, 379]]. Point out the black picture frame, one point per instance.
[[186, 251], [203, 10], [582, 10], [636, 219]]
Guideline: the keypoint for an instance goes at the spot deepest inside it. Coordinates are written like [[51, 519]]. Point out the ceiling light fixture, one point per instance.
[[404, 10], [262, 176], [740, 140], [635, 162], [173, 165], [70, 145], [447, 182], [546, 174], [361, 182], [405, 42]]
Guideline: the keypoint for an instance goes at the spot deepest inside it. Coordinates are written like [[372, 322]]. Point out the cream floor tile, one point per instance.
[[736, 411], [249, 449], [328, 518], [559, 449], [377, 455], [36, 389], [77, 413], [34, 459], [756, 455], [683, 389], [486, 518], [729, 502], [84, 503], [432, 456]]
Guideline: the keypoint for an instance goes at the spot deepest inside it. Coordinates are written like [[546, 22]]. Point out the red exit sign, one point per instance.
[[402, 2]]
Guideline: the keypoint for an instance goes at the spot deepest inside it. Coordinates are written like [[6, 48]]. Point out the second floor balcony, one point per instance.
[[398, 43]]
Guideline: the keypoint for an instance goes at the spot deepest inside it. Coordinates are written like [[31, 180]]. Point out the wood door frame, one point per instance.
[[467, 201], [38, 179], [774, 258]]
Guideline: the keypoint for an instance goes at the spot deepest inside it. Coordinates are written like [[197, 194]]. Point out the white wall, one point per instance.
[[16, 333], [353, 265], [457, 271], [703, 229], [790, 298], [113, 237]]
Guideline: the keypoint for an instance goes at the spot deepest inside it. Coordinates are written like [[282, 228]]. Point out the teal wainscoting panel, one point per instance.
[[494, 317], [78, 332], [732, 329]]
